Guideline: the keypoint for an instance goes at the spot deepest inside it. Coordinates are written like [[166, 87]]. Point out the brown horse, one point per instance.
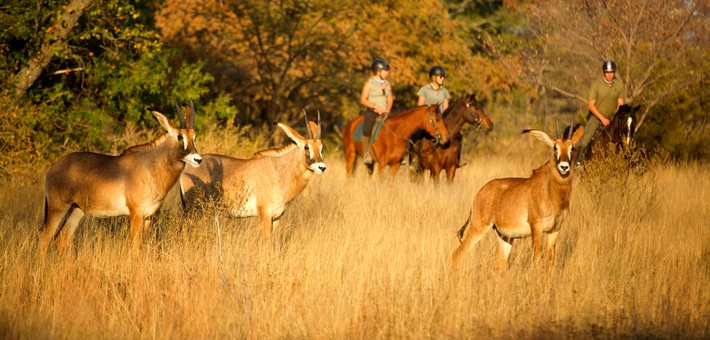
[[428, 155], [620, 132], [391, 143]]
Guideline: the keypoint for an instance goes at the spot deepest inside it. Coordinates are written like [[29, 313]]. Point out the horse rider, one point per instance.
[[435, 93], [377, 98], [604, 98]]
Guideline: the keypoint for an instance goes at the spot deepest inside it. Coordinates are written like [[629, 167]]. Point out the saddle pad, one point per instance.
[[376, 131]]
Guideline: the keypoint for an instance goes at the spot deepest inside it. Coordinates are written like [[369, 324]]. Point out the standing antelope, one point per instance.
[[522, 207], [260, 186], [134, 183]]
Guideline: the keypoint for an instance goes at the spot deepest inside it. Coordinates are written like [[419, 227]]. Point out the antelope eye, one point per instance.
[[307, 148], [179, 137]]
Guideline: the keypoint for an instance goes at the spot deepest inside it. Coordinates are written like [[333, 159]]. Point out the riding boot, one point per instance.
[[366, 156], [580, 158]]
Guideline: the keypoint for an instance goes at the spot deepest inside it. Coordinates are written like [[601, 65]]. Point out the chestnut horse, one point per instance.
[[620, 132], [428, 155], [391, 143]]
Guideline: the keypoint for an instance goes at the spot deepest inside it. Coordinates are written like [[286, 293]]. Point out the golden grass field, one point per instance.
[[370, 259]]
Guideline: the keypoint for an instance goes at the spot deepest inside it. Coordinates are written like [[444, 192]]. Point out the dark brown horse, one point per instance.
[[391, 142], [428, 155], [620, 132]]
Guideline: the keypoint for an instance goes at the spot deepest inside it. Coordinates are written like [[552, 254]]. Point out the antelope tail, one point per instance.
[[465, 225]]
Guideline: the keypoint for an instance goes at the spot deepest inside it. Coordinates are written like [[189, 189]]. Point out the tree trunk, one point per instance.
[[55, 36]]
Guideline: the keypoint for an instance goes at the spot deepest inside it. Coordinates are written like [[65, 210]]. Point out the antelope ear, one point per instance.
[[578, 135], [542, 136], [291, 133], [165, 122], [314, 129]]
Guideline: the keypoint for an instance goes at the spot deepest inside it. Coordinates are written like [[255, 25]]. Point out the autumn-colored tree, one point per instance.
[[277, 57]]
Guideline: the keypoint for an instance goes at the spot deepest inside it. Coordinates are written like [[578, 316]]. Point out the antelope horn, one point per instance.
[[308, 125], [192, 115], [318, 123], [571, 130], [180, 114], [557, 129]]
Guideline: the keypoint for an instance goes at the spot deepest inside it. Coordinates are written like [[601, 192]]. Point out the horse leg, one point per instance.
[[451, 172], [350, 158], [394, 168]]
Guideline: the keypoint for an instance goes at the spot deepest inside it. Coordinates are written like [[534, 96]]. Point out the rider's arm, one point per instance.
[[390, 101], [421, 101], [591, 105]]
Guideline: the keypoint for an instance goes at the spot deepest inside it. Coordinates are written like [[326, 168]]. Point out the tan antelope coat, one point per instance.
[[261, 186], [134, 183], [523, 207]]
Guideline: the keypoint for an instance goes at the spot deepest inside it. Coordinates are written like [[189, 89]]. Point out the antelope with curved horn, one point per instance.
[[134, 183], [522, 207], [261, 186]]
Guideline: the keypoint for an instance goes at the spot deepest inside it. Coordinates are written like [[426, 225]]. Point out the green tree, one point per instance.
[[80, 81]]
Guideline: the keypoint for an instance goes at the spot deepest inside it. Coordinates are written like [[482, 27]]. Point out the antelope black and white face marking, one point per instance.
[[189, 147], [314, 156], [563, 155]]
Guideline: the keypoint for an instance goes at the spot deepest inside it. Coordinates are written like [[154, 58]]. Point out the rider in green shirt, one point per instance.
[[604, 98]]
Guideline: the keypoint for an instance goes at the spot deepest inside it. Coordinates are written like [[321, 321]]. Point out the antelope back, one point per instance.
[[563, 149], [312, 147]]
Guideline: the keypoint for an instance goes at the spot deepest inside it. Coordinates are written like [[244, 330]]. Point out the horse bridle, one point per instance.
[[436, 129], [476, 118]]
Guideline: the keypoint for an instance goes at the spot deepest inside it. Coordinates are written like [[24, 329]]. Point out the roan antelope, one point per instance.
[[133, 183], [522, 207], [260, 186]]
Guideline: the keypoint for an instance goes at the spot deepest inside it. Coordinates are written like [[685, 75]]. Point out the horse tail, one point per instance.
[[465, 225]]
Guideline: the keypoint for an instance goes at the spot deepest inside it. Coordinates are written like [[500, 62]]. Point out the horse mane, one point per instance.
[[452, 104], [275, 152], [146, 146]]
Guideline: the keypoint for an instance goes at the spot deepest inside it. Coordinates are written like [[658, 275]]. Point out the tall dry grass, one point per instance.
[[369, 259]]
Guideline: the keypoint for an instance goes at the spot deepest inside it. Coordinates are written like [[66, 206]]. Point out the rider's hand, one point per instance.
[[605, 122]]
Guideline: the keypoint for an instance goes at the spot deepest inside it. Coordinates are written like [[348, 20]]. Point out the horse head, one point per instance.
[[436, 126], [475, 115], [625, 124]]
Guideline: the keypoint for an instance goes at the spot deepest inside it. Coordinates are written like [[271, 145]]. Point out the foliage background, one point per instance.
[[249, 63]]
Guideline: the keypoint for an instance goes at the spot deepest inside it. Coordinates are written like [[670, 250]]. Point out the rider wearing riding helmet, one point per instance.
[[435, 93], [604, 98], [377, 98]]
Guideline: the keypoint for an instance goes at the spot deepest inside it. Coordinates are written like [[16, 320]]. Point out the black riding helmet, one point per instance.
[[436, 70], [379, 64], [609, 66]]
